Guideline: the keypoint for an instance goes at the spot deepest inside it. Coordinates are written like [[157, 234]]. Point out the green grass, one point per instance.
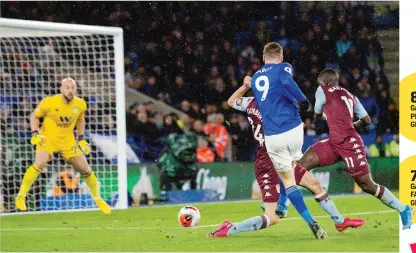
[[157, 229]]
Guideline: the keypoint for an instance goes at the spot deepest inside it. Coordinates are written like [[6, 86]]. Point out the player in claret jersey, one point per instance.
[[267, 177], [265, 173], [339, 107]]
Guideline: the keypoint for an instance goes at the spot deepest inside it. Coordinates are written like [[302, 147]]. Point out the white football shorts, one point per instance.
[[285, 148]]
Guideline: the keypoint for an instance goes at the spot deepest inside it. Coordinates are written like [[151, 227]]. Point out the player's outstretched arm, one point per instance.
[[361, 113], [34, 127], [320, 100], [80, 127], [240, 91], [34, 122], [292, 87], [362, 122], [40, 111], [83, 144]]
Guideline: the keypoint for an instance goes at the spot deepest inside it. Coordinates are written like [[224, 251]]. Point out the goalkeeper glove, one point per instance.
[[83, 145], [36, 138]]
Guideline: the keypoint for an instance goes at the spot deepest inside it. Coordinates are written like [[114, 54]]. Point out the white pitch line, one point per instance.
[[178, 227], [333, 196]]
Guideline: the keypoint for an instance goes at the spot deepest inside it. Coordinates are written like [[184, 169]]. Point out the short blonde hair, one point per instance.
[[272, 50]]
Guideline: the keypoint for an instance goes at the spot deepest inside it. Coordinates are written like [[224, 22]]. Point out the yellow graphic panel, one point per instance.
[[408, 107], [408, 182]]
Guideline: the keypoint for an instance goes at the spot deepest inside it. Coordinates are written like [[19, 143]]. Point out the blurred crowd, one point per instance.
[[196, 62], [148, 128], [193, 55]]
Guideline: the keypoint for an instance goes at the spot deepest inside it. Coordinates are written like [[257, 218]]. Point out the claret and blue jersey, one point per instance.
[[277, 96]]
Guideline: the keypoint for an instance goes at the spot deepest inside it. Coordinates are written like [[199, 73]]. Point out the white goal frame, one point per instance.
[[28, 28]]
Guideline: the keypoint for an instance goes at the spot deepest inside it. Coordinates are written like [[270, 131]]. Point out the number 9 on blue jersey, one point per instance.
[[262, 85]]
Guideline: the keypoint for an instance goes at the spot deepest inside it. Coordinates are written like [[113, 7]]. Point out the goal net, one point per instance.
[[34, 58]]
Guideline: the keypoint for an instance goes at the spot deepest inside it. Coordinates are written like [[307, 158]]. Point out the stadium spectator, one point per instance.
[[226, 110], [204, 153], [178, 92], [388, 121], [394, 146], [185, 107], [244, 140], [343, 44], [131, 116], [198, 127], [150, 109], [215, 128], [169, 126], [370, 105], [219, 92], [151, 88], [309, 127], [234, 131], [248, 52], [374, 59], [196, 112], [109, 125], [352, 60], [379, 148], [66, 182], [394, 117], [230, 77], [142, 126], [315, 14]]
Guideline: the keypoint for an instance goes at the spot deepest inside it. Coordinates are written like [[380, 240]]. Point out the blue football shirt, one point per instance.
[[277, 96]]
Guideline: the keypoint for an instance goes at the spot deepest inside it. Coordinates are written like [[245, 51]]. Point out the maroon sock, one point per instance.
[[264, 220], [299, 173], [322, 198], [380, 192]]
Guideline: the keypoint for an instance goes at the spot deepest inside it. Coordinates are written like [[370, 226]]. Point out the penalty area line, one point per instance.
[[178, 227]]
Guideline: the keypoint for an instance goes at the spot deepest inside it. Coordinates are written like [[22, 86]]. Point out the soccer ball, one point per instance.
[[189, 216]]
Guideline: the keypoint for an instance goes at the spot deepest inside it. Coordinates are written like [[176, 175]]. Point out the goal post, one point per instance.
[[34, 57]]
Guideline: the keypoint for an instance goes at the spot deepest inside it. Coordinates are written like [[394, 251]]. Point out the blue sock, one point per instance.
[[283, 202], [255, 223], [296, 197]]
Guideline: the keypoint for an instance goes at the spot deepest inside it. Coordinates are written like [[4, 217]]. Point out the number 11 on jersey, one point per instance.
[[349, 103]]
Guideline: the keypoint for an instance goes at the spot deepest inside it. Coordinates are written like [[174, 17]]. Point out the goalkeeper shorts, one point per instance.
[[67, 150]]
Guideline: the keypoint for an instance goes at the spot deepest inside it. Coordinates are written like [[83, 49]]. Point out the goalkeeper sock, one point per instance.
[[255, 223], [92, 183], [326, 203], [30, 176]]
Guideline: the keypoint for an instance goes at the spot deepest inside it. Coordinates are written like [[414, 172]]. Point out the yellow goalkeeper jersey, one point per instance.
[[60, 118]]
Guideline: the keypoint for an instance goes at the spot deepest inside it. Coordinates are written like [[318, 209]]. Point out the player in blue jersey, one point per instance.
[[277, 96]]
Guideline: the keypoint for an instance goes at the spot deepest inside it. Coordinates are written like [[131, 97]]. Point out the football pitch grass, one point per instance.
[[156, 229]]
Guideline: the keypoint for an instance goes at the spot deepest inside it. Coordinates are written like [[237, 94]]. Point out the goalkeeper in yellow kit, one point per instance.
[[61, 114]]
